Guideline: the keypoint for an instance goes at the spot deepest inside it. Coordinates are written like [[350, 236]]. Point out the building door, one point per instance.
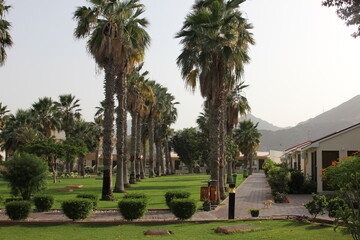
[[313, 167], [327, 158]]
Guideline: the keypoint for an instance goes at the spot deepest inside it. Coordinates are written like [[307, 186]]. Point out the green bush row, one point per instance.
[[180, 204]]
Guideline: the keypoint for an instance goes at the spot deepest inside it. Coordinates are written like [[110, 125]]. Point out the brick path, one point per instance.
[[250, 194]]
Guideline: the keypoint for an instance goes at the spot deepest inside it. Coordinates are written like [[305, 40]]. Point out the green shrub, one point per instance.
[[93, 197], [169, 196], [77, 209], [18, 210], [135, 196], [280, 197], [335, 204], [296, 181], [279, 177], [268, 164], [317, 205], [309, 187], [26, 175], [43, 203], [183, 208], [131, 208], [1, 200]]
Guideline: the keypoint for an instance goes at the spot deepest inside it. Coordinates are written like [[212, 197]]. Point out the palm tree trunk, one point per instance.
[[125, 159], [229, 178], [151, 148], [158, 158], [216, 115], [144, 156], [120, 134], [167, 159], [96, 169], [214, 155], [251, 162], [162, 159], [109, 86], [140, 166], [222, 148], [133, 148]]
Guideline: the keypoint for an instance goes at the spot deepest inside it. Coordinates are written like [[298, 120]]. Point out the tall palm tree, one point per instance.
[[215, 40], [247, 137], [46, 117], [133, 41], [151, 106], [117, 40], [5, 38], [135, 103], [98, 22], [236, 105]]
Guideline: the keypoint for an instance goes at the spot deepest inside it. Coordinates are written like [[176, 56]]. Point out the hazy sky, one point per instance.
[[304, 61]]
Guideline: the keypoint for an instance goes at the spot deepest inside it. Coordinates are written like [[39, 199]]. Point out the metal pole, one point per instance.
[[232, 191]]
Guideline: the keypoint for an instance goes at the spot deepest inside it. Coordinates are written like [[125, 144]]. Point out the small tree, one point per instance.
[[344, 176], [317, 205], [186, 145], [26, 175]]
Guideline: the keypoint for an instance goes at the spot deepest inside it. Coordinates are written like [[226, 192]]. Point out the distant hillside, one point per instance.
[[333, 120], [263, 125]]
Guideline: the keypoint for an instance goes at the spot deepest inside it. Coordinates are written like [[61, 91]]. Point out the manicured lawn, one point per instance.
[[155, 188], [278, 230]]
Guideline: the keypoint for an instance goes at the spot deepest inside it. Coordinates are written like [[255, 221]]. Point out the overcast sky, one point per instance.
[[304, 61]]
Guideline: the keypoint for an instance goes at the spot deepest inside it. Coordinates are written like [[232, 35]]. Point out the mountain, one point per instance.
[[338, 118], [263, 125]]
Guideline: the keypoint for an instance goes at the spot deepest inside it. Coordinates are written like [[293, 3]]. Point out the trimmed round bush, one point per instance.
[[183, 208], [43, 203], [77, 209], [131, 208], [18, 210], [169, 196], [93, 197]]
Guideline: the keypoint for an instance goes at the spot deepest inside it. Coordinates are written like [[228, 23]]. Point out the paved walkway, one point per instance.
[[250, 194]]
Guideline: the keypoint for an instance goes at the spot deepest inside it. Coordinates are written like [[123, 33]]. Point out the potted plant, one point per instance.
[[254, 212], [207, 205]]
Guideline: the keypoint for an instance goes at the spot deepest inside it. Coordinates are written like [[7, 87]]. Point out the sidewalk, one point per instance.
[[250, 194]]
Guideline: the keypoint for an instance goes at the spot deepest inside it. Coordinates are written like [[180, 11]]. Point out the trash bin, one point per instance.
[[234, 176], [245, 173]]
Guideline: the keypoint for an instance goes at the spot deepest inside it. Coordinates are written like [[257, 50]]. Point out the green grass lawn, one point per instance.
[[155, 188], [278, 230]]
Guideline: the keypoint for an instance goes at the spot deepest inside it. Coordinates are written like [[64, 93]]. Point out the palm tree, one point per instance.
[[69, 112], [117, 40], [236, 104], [18, 132], [45, 114], [215, 40], [135, 103], [98, 22], [3, 115], [5, 38], [133, 41], [247, 137]]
